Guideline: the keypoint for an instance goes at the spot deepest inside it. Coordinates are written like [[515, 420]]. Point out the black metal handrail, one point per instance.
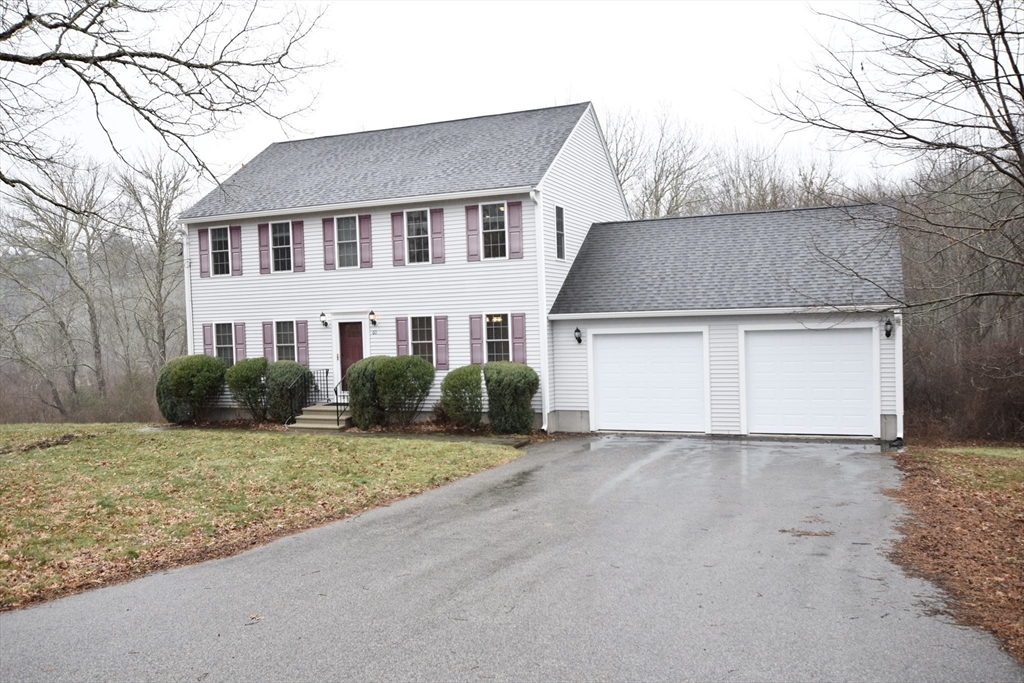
[[307, 390], [340, 400]]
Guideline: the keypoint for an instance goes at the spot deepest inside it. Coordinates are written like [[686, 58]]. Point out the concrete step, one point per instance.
[[320, 419]]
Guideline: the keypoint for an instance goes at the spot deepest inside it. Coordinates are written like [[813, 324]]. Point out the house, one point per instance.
[[507, 238]]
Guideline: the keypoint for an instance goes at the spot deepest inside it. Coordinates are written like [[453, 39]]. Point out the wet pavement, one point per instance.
[[607, 558]]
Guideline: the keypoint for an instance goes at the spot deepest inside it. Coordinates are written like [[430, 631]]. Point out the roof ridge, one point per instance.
[[430, 123], [740, 213]]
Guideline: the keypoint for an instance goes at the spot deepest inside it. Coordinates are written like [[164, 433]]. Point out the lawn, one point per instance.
[[86, 505], [966, 532]]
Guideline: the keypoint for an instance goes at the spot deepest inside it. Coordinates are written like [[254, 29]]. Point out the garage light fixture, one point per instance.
[[323, 318], [578, 335], [888, 329], [373, 318]]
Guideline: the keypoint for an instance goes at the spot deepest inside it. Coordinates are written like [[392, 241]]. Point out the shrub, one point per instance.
[[287, 384], [462, 396], [403, 383], [245, 380], [510, 389], [362, 393], [186, 386]]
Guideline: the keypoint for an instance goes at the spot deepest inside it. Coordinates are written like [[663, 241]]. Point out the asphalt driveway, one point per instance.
[[613, 558]]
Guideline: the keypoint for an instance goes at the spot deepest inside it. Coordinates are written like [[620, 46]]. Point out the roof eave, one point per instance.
[[686, 313], [349, 206]]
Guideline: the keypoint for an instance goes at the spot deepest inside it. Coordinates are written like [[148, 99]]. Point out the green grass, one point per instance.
[[1009, 453], [977, 467], [115, 502]]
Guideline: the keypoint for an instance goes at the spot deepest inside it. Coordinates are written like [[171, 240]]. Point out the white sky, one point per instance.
[[398, 63]]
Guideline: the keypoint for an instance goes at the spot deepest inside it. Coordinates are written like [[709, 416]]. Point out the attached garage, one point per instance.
[[649, 382], [810, 381]]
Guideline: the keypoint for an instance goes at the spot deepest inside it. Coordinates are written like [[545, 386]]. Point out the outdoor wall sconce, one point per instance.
[[578, 336], [888, 329], [323, 319], [373, 318]]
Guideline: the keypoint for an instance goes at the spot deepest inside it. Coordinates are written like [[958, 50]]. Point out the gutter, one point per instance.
[[685, 313]]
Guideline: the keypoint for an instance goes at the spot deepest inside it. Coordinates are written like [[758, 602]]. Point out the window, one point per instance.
[[494, 230], [224, 342], [497, 337], [423, 339], [417, 234], [281, 243], [560, 232], [219, 251], [285, 338], [348, 242]]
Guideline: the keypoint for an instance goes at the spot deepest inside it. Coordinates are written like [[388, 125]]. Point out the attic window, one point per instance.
[[494, 230], [560, 232], [281, 242]]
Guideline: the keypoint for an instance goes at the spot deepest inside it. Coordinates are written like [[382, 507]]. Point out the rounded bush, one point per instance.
[[287, 385], [187, 385], [510, 390], [462, 396], [403, 383], [362, 393], [245, 380]]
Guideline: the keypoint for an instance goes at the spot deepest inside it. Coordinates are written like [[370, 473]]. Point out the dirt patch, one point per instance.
[[965, 533], [42, 443]]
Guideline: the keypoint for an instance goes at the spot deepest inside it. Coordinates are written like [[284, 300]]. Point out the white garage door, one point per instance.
[[649, 382], [810, 382]]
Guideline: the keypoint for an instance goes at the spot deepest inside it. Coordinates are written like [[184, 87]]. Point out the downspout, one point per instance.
[[542, 307], [187, 265]]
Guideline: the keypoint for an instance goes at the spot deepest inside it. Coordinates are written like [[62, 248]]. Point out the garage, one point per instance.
[[807, 381], [650, 381]]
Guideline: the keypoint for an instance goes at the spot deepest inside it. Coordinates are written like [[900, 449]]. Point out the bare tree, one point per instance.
[[180, 68]]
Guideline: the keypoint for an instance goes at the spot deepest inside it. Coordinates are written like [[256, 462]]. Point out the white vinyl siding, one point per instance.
[[349, 294]]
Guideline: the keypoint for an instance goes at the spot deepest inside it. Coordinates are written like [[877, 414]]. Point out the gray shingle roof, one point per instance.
[[489, 152], [770, 259]]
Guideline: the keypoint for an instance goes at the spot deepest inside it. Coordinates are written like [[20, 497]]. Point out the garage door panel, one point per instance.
[[809, 381], [649, 381]]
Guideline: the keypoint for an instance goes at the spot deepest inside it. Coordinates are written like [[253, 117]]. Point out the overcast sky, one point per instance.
[[399, 63]]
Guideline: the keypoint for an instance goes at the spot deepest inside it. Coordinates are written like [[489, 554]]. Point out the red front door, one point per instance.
[[351, 348]]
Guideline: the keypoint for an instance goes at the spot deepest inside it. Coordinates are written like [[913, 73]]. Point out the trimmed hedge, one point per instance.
[[245, 380], [287, 383], [462, 396], [186, 386], [403, 383], [366, 410], [510, 389]]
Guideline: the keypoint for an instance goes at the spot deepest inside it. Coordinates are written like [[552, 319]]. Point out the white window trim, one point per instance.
[[876, 373], [509, 316], [228, 229], [231, 326], [649, 329], [337, 242], [291, 246], [433, 335], [430, 246], [480, 209], [295, 337], [564, 250]]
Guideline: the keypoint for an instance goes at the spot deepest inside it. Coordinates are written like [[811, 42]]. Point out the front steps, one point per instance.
[[320, 419]]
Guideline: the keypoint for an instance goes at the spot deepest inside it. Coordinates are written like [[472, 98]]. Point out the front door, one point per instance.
[[351, 335]]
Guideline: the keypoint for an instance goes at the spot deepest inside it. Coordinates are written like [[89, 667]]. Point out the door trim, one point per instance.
[[649, 329], [876, 373]]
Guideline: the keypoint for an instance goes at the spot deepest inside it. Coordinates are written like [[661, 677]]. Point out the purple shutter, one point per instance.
[[365, 242], [437, 235], [298, 248], [518, 337], [441, 342], [236, 249], [239, 341], [268, 341], [208, 339], [476, 339], [302, 342], [515, 230], [329, 251], [473, 233], [398, 238], [264, 232], [204, 253], [402, 336]]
